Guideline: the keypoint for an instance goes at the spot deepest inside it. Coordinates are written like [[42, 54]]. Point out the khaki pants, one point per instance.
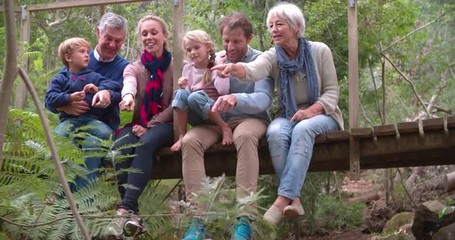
[[246, 133]]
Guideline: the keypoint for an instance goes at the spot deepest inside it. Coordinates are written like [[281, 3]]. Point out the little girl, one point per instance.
[[199, 88]]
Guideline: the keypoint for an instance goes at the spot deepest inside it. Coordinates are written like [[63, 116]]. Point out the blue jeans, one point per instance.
[[291, 148], [90, 144], [140, 158], [197, 104]]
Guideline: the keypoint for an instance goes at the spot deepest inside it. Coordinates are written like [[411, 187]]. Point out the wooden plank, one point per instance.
[[433, 124], [71, 4], [451, 122], [410, 150], [354, 158], [337, 136], [408, 127], [385, 130], [362, 132], [321, 138]]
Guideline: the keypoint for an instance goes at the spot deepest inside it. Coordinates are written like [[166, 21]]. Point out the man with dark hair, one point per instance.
[[246, 110]]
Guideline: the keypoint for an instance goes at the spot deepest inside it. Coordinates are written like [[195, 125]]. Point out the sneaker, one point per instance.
[[196, 231], [134, 226], [242, 230], [119, 223], [127, 224]]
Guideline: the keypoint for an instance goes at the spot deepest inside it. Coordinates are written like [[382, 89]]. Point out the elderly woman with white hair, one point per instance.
[[307, 86]]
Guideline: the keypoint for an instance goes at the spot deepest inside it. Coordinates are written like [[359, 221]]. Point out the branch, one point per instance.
[[409, 81], [437, 92], [59, 20], [405, 189], [412, 32], [57, 163]]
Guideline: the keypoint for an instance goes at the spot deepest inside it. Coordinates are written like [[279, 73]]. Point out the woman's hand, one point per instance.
[[223, 70], [301, 115], [229, 69], [139, 130], [127, 103], [307, 113]]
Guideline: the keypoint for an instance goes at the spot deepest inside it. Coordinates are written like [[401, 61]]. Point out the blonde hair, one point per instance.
[[203, 37], [68, 46], [154, 18], [291, 13]]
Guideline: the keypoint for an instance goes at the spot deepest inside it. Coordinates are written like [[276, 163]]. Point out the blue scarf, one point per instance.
[[303, 63]]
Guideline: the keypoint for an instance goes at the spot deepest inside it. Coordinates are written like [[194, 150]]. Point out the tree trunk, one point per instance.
[[9, 71]]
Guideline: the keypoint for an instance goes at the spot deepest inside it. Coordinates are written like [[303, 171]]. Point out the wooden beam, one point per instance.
[[333, 153], [72, 4], [177, 50], [353, 75], [21, 90]]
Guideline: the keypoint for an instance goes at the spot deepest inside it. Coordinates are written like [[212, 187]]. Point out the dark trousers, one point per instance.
[[132, 184]]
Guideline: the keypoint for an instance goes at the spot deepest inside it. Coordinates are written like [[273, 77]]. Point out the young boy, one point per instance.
[[73, 83]]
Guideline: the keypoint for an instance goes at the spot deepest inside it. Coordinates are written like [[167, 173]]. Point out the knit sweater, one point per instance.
[[253, 98], [114, 71], [266, 65]]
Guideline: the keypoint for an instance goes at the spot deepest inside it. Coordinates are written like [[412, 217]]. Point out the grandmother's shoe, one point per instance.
[[273, 215], [293, 210]]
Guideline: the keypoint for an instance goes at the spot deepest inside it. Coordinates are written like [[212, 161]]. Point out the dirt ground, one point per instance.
[[345, 235], [356, 188]]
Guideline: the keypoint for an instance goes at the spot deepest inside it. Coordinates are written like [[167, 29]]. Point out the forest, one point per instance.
[[406, 73]]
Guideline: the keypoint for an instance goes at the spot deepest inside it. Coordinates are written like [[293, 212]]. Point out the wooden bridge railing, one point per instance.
[[423, 143]]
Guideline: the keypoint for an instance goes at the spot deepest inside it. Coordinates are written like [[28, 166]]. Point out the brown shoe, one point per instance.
[[293, 211]]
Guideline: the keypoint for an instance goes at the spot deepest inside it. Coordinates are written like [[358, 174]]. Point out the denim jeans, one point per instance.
[[197, 104], [90, 145], [132, 184], [291, 148]]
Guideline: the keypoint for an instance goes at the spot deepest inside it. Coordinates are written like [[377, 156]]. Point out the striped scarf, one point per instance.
[[152, 103]]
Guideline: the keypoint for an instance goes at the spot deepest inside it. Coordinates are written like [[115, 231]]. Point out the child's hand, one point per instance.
[[183, 82], [127, 103], [90, 88], [77, 96]]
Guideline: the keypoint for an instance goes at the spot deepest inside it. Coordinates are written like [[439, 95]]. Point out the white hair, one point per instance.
[[291, 13], [113, 20]]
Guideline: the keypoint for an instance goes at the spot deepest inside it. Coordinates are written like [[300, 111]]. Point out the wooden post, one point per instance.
[[177, 48], [354, 151], [21, 90]]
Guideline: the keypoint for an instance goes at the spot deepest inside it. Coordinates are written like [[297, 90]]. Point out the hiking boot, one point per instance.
[[242, 230], [196, 231]]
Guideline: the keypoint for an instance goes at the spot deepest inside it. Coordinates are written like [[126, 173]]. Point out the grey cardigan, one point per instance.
[[266, 65]]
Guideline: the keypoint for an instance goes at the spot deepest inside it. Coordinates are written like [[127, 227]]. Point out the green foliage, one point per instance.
[[334, 214], [33, 203]]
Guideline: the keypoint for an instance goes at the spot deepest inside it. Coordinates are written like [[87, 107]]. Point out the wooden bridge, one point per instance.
[[406, 144]]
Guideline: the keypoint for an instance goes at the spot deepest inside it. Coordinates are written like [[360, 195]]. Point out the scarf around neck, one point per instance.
[[303, 63], [153, 98]]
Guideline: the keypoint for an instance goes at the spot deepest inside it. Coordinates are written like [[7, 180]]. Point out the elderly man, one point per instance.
[[104, 59], [246, 113]]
